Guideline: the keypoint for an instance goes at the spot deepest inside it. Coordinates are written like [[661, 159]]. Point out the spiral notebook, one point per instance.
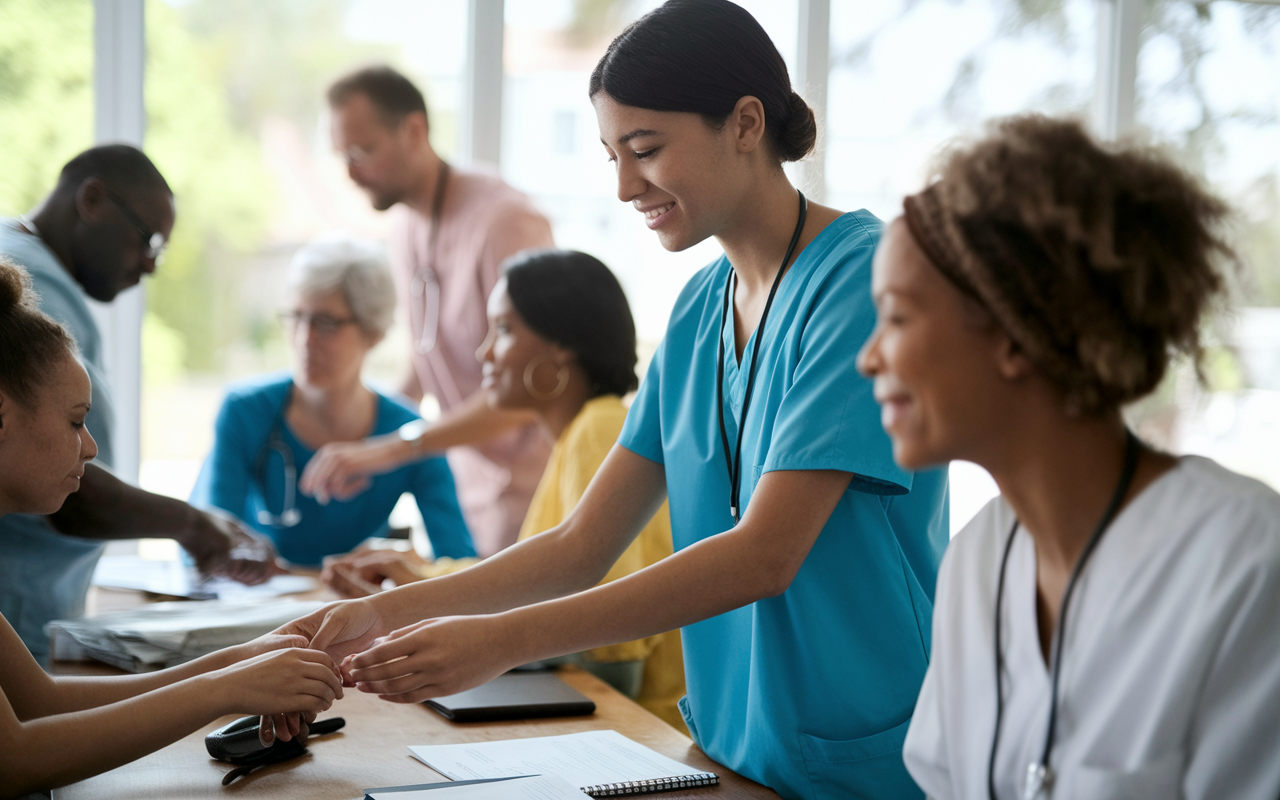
[[599, 763]]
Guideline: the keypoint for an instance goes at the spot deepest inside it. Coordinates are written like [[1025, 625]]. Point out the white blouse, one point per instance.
[[1170, 684]]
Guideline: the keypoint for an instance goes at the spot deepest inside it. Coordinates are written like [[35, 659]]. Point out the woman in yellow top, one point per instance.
[[562, 346]]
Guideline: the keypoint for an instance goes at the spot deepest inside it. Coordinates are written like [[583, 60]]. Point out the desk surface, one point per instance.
[[372, 750]]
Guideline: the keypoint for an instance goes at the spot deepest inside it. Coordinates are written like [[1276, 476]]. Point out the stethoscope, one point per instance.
[[425, 286], [289, 514], [733, 460], [1040, 774]]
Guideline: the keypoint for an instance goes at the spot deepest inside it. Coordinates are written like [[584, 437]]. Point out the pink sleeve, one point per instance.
[[514, 228]]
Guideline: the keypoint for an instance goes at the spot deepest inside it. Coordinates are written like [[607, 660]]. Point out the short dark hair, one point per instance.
[[30, 341], [392, 94], [572, 299], [702, 57], [122, 167]]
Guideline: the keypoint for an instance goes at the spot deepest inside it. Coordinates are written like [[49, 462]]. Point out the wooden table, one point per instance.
[[372, 751]]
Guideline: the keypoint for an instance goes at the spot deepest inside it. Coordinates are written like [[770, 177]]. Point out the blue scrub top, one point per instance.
[[809, 692], [243, 476]]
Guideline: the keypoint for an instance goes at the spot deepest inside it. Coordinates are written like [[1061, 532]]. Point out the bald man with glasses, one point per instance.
[[104, 226]]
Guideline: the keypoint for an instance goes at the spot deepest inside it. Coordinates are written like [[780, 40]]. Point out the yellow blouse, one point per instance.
[[576, 457]]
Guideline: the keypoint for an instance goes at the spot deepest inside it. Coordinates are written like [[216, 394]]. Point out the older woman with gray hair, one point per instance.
[[342, 303]]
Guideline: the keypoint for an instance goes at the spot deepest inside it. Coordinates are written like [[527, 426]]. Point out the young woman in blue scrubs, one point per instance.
[[806, 621]]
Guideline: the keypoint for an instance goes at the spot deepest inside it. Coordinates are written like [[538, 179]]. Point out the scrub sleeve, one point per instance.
[[817, 698]]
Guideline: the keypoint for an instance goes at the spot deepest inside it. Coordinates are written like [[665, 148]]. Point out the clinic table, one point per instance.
[[372, 751]]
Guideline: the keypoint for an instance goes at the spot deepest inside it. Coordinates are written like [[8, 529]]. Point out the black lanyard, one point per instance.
[[733, 460], [1039, 773]]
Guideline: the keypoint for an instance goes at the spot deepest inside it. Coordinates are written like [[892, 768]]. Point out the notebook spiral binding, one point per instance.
[[652, 786]]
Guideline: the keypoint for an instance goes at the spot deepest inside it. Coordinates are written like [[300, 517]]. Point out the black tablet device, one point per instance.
[[515, 695]]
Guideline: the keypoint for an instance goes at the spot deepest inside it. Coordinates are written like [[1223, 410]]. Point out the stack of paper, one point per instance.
[[163, 634]]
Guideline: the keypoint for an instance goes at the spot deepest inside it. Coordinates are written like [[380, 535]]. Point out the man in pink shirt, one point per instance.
[[452, 230]]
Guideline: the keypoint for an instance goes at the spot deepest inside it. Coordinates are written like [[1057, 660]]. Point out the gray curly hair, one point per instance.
[[355, 267]]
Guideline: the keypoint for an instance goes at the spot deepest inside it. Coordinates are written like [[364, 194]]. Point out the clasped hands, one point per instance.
[[431, 658]]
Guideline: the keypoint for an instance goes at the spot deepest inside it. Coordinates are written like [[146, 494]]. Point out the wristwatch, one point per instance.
[[412, 432]]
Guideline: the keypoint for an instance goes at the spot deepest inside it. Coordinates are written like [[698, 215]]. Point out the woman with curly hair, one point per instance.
[[1106, 627]]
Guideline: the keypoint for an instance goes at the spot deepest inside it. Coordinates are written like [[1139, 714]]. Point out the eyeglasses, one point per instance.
[[153, 242], [323, 324]]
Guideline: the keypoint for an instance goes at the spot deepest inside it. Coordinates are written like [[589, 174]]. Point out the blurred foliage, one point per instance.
[[212, 81], [46, 94]]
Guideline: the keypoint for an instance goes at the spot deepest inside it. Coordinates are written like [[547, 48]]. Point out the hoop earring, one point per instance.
[[562, 380]]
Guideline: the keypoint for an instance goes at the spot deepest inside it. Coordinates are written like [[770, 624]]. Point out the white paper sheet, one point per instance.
[[534, 787], [583, 759]]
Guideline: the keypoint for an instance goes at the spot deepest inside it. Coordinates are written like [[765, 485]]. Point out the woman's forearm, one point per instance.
[[74, 693], [574, 556], [757, 559], [64, 748]]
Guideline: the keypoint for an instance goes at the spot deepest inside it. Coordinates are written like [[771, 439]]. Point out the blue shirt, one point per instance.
[[809, 692], [245, 475], [45, 575]]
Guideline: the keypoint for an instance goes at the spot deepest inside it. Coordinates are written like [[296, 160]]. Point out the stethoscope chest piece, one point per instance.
[[1039, 781]]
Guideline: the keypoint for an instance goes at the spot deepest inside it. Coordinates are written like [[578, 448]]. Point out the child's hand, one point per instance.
[[279, 682]]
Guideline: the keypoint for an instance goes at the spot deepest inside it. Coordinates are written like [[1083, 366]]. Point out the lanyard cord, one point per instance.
[[733, 460], [1040, 772], [427, 274], [437, 209]]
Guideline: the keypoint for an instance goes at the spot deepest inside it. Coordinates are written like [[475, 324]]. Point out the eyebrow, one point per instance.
[[636, 134]]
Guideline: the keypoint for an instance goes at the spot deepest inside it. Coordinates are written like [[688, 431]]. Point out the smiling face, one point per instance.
[[682, 174], [945, 374], [328, 343], [45, 445], [384, 160], [507, 352]]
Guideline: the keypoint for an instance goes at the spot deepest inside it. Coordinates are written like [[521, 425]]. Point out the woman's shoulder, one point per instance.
[[845, 246], [1202, 501], [597, 424]]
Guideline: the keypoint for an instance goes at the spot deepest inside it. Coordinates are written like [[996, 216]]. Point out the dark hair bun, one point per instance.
[[702, 57], [15, 286], [798, 134]]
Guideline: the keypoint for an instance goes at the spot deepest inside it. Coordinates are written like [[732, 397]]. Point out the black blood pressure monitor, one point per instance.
[[238, 744]]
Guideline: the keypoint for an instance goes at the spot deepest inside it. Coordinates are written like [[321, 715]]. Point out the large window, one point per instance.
[[1209, 89], [46, 95], [237, 121]]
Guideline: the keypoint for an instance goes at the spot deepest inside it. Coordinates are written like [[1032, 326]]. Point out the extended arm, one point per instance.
[[341, 469], [108, 508], [43, 743], [534, 600]]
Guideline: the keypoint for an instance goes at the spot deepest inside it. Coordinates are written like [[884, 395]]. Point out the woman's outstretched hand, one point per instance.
[[342, 470], [435, 658], [363, 572]]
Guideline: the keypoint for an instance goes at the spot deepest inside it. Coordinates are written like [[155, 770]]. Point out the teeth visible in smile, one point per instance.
[[654, 213]]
